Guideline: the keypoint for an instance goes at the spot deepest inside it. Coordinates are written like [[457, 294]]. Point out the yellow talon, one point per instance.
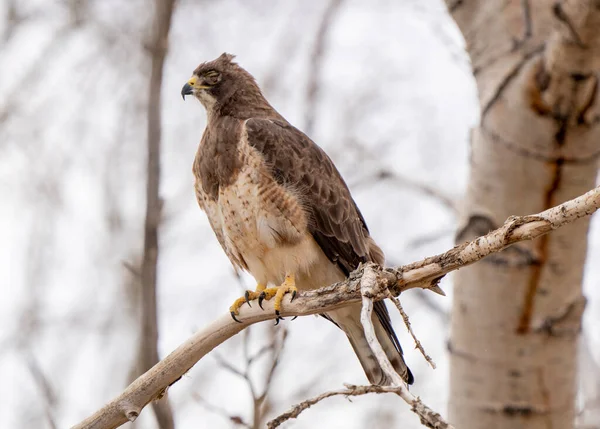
[[262, 293], [234, 310], [288, 286], [267, 294]]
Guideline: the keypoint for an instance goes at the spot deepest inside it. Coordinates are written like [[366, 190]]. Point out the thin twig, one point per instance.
[[220, 411], [277, 349], [275, 346], [288, 42], [225, 364], [350, 390], [10, 106], [316, 64], [385, 174], [46, 389], [418, 344]]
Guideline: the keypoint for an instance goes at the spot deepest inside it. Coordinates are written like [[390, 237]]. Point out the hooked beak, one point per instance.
[[188, 88]]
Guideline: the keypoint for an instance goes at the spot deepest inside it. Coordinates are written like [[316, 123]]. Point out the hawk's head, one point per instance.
[[222, 85]]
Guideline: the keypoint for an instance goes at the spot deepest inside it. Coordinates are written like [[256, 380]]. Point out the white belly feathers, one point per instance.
[[264, 226]]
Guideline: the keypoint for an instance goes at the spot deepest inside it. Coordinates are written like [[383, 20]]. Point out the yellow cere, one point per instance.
[[192, 81]]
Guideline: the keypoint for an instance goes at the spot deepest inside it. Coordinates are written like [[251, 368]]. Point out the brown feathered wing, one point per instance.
[[335, 221]]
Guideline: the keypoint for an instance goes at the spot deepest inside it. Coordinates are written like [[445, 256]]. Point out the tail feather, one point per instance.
[[348, 319]]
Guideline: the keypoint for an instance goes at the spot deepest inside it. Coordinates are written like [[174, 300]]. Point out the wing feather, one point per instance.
[[299, 164], [335, 221]]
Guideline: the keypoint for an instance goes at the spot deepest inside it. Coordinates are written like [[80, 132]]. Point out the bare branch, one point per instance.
[[418, 344], [430, 237], [316, 63], [423, 274], [259, 404], [350, 390], [371, 288], [384, 174], [220, 411], [10, 106], [286, 43], [46, 389]]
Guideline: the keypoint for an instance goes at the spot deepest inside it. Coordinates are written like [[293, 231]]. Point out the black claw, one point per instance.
[[247, 298], [261, 298], [293, 296], [234, 318], [277, 321], [294, 318], [278, 316]]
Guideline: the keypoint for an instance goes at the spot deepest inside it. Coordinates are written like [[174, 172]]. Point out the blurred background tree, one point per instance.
[[385, 88]]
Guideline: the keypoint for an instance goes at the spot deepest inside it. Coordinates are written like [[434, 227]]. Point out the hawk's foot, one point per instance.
[[234, 310], [288, 286]]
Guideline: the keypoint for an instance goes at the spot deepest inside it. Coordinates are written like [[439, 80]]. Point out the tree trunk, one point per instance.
[[157, 48], [517, 315]]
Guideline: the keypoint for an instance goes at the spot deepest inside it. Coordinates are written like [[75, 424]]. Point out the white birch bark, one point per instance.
[[517, 315]]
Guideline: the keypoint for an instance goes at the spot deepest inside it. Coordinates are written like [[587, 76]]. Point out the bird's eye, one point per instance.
[[212, 77]]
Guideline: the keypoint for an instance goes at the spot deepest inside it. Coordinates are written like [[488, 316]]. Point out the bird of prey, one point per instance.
[[279, 207]]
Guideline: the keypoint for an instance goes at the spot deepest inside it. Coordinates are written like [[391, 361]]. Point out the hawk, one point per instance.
[[279, 207]]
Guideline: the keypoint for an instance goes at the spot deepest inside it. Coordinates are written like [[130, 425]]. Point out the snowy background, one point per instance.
[[394, 103]]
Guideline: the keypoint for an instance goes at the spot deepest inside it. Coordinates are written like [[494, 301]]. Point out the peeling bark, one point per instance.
[[514, 342]]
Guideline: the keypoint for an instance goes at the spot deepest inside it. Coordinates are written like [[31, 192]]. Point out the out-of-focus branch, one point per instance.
[[316, 63], [425, 274], [46, 389], [428, 301], [260, 405], [10, 106], [149, 337], [216, 409], [13, 19], [384, 174], [288, 42]]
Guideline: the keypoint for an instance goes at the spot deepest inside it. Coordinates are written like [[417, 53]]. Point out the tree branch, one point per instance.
[[350, 390], [424, 274], [260, 404], [406, 320], [316, 62], [370, 289]]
